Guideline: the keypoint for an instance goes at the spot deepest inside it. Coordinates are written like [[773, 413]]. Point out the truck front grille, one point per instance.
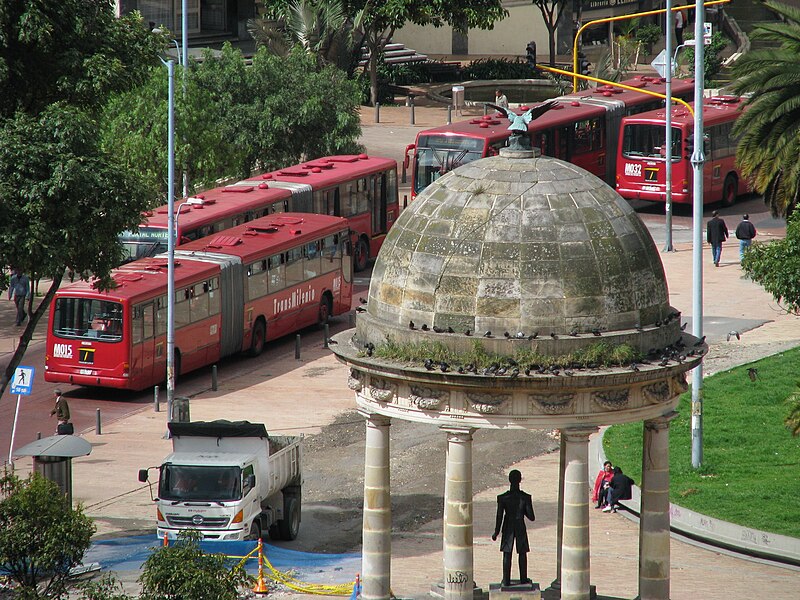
[[198, 522]]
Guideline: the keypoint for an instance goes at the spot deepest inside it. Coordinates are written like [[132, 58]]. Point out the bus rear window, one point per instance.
[[645, 140], [87, 318]]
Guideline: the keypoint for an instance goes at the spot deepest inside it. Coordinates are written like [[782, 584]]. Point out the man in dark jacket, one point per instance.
[[620, 488], [513, 507], [745, 232], [716, 233]]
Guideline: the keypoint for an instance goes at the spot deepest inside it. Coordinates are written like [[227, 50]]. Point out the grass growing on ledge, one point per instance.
[[597, 355], [751, 460]]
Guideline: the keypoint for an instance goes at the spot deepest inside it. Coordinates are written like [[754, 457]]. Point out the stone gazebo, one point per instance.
[[507, 255]]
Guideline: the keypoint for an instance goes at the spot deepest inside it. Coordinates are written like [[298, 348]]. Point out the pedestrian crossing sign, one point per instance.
[[22, 383]]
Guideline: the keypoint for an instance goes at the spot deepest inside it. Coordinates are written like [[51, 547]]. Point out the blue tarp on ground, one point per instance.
[[129, 553]]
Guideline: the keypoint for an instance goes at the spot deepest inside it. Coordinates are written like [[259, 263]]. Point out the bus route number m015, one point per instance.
[[62, 351], [633, 169]]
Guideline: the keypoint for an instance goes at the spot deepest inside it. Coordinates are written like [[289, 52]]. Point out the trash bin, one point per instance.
[[458, 97], [180, 409]]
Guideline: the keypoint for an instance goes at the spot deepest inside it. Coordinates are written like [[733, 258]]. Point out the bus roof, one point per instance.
[[217, 202], [273, 233], [267, 235], [324, 172], [715, 110], [571, 108]]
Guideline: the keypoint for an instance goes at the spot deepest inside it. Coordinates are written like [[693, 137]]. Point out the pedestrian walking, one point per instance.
[[745, 232], [680, 23], [716, 233], [18, 289], [500, 99], [61, 412]]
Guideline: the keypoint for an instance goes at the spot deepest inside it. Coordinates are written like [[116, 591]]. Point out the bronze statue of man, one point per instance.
[[513, 507]]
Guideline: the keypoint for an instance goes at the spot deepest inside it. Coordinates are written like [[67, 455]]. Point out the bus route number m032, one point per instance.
[[62, 351], [633, 169]]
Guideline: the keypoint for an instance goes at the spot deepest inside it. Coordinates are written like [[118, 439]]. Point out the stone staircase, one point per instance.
[[747, 15]]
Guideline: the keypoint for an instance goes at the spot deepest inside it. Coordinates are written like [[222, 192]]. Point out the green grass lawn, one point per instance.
[[751, 462]]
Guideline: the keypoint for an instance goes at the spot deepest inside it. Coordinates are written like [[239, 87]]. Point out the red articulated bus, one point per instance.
[[581, 129], [361, 188], [233, 292], [641, 163]]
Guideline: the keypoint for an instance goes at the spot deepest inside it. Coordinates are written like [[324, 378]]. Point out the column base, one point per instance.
[[437, 591], [515, 591], [592, 590]]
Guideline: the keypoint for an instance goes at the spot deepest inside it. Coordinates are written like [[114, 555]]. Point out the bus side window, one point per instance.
[[294, 266], [348, 202], [257, 280], [161, 315], [213, 296], [277, 274], [313, 260], [181, 312], [362, 199], [198, 303], [137, 324]]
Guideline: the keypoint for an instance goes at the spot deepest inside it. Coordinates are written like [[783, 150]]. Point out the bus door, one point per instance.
[[548, 141], [377, 203], [143, 345], [588, 147]]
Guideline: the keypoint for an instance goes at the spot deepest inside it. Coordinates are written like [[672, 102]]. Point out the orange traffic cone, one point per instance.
[[261, 586], [166, 540]]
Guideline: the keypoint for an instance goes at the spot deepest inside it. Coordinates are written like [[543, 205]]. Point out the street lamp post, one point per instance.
[[668, 134]]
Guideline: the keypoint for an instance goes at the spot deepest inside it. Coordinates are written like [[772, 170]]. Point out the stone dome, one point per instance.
[[520, 245]]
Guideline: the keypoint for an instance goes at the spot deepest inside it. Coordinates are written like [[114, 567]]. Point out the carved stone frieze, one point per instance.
[[354, 381], [657, 392], [552, 404], [487, 403], [612, 399], [428, 398], [382, 390], [679, 384]]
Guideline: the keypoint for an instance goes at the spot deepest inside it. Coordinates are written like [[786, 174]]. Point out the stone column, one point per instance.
[[654, 522], [575, 540], [458, 558], [556, 584], [376, 555]]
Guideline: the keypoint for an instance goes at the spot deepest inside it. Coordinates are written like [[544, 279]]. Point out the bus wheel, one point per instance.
[[729, 190], [257, 338], [361, 255], [325, 310]]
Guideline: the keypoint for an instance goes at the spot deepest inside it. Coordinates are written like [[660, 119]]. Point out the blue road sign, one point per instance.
[[22, 383]]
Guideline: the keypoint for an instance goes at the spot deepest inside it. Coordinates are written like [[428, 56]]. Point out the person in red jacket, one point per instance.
[[601, 484]]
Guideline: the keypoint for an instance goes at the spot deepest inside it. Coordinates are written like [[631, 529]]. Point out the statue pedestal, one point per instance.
[[515, 591]]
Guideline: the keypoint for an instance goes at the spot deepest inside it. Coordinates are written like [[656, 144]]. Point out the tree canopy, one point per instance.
[[235, 118], [63, 199], [41, 536], [768, 143]]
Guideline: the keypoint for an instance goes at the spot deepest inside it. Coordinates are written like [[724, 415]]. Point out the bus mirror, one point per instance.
[[407, 156]]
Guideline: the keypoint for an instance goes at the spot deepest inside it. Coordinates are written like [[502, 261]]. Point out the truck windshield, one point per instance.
[[213, 484]]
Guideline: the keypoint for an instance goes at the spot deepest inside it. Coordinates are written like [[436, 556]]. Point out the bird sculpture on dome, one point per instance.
[[519, 123]]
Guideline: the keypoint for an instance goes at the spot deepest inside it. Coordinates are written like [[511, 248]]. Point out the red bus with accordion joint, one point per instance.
[[582, 129], [358, 187], [233, 293], [641, 163]]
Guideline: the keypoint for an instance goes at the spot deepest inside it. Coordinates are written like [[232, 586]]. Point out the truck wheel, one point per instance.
[[255, 531], [289, 526]]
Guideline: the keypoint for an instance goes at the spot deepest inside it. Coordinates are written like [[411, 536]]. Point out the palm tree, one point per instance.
[[320, 27], [769, 129]]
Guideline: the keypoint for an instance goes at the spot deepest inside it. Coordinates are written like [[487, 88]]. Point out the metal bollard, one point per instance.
[[38, 435], [377, 112], [98, 426], [411, 104], [156, 406], [326, 332], [449, 114], [403, 176], [213, 378], [297, 346], [485, 109], [405, 200]]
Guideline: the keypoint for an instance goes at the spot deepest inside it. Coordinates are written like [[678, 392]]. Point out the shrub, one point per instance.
[[648, 35], [499, 68]]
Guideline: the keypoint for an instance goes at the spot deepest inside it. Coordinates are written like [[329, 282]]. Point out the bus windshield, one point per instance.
[[88, 318], [148, 241], [647, 140], [440, 154], [215, 484]]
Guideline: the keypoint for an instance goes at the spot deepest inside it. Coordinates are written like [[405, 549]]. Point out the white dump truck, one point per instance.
[[229, 481]]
